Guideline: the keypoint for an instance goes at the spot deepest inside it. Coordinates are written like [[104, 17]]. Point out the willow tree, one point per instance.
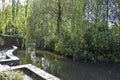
[[59, 16], [77, 30], [5, 14], [13, 9], [2, 18], [72, 40], [37, 27]]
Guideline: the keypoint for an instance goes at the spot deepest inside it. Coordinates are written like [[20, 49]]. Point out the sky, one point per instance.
[[7, 2]]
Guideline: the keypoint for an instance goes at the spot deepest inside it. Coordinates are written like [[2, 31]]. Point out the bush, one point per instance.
[[50, 42], [11, 75], [95, 44]]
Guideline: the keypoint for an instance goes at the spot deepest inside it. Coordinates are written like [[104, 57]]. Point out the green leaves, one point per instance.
[[80, 27]]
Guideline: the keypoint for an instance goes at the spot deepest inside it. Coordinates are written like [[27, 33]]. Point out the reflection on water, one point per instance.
[[33, 57], [44, 64], [67, 69]]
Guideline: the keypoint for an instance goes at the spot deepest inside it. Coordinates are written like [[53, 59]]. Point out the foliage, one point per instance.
[[50, 42], [11, 29], [78, 28], [11, 75]]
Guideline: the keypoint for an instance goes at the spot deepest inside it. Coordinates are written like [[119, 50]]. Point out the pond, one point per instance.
[[67, 69]]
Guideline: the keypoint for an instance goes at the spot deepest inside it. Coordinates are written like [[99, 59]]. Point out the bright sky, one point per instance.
[[7, 2], [22, 2]]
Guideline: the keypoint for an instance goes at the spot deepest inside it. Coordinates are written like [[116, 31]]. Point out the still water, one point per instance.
[[67, 69]]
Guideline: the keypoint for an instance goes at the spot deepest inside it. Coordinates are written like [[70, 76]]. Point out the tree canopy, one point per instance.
[[87, 29]]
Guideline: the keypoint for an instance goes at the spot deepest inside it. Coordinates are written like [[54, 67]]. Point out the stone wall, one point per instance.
[[10, 59], [9, 41], [10, 62], [18, 41], [34, 71]]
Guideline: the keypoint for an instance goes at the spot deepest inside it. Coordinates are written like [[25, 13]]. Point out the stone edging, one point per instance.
[[36, 71]]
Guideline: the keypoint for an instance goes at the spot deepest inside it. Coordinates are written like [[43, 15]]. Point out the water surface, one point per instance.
[[67, 69]]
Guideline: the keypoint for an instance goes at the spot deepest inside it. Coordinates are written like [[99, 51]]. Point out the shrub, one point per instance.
[[11, 75], [50, 42], [95, 44]]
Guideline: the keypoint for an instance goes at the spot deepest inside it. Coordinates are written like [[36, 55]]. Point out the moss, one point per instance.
[[49, 54], [44, 53], [1, 42]]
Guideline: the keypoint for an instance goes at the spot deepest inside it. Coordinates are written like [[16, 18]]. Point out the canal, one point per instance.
[[67, 69]]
